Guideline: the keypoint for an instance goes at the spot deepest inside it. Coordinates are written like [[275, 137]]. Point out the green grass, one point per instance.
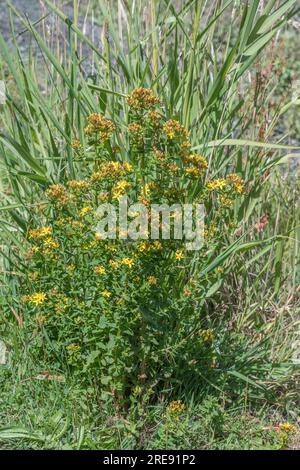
[[71, 418], [232, 86]]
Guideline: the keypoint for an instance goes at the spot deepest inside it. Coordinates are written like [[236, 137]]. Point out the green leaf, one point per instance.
[[243, 377], [271, 19], [91, 359], [18, 433], [245, 143]]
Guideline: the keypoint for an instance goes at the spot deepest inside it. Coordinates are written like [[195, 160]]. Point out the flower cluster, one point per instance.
[[120, 189], [112, 169], [40, 233], [36, 299], [287, 428], [176, 407], [78, 185], [128, 262], [236, 183], [285, 433], [232, 182], [219, 183], [76, 145], [100, 270], [174, 130], [44, 240], [99, 126], [142, 99], [58, 194], [196, 165], [136, 133]]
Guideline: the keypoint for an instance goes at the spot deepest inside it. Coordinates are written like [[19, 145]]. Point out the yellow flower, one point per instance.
[[111, 169], [73, 348], [112, 248], [113, 264], [85, 246], [216, 184], [148, 188], [197, 160], [236, 183], [143, 246], [225, 201], [161, 156], [85, 210], [38, 298], [219, 270], [103, 197], [287, 428], [179, 255], [76, 224], [57, 193], [154, 119], [136, 132], [152, 281], [100, 270], [176, 407], [173, 168], [211, 232], [78, 185], [207, 335], [127, 167], [120, 189], [39, 233], [63, 303], [173, 129], [198, 165], [157, 245], [45, 231], [61, 222], [193, 172], [185, 148], [50, 243], [33, 276], [128, 262], [70, 268], [76, 145], [239, 188], [106, 294], [53, 292], [142, 98], [99, 126], [48, 252], [98, 237], [187, 292], [135, 128], [143, 200]]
